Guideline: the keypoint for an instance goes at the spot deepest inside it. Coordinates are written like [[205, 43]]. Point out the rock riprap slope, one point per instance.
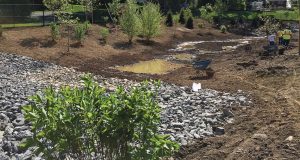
[[186, 115]]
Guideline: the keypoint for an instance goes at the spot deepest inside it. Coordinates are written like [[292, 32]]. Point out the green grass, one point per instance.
[[278, 14], [75, 8], [21, 25]]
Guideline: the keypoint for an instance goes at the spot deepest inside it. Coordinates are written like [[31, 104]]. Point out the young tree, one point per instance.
[[114, 10], [190, 23], [169, 20], [150, 20], [181, 17], [129, 20], [67, 19]]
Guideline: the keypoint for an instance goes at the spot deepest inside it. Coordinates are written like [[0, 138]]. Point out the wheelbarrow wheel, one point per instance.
[[210, 73]]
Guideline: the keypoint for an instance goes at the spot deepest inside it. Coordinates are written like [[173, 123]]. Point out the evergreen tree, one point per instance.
[[181, 17], [169, 20], [190, 23]]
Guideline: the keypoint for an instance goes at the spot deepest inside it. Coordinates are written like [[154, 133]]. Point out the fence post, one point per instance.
[[43, 17]]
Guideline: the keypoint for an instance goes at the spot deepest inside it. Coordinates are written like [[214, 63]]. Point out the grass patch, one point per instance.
[[75, 8], [289, 15], [21, 25]]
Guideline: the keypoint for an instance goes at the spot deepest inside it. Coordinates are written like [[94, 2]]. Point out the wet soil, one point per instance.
[[275, 94]]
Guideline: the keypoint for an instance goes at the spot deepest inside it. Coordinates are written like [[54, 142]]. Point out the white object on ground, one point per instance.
[[196, 87]]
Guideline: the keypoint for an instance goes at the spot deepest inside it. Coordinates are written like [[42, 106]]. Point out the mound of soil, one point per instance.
[[276, 70]]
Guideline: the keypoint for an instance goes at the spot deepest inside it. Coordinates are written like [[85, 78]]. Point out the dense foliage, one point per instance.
[[150, 19], [88, 123], [207, 13]]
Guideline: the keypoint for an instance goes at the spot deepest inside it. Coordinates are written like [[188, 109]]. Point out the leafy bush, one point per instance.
[[169, 20], [187, 14], [190, 23], [55, 33], [181, 17], [104, 32], [88, 123], [207, 13], [106, 18], [150, 19], [129, 20], [87, 26], [223, 29], [200, 25], [80, 30]]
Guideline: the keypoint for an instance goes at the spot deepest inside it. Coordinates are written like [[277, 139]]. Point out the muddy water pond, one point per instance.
[[156, 66]]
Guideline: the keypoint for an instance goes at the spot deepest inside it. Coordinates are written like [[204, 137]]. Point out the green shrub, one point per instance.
[[55, 32], [181, 17], [187, 14], [207, 13], [190, 23], [89, 123], [223, 29], [87, 26], [104, 32], [200, 25], [105, 18], [80, 31], [150, 19], [129, 20], [169, 20]]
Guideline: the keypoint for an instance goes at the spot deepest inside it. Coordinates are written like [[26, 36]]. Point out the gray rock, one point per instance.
[[219, 130], [259, 136], [4, 157]]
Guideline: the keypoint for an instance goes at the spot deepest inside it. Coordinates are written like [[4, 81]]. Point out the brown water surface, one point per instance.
[[156, 66]]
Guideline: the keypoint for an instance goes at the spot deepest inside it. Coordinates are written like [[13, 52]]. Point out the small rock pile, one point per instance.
[[186, 115]]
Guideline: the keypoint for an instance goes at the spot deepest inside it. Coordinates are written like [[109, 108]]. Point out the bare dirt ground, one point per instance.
[[267, 130]]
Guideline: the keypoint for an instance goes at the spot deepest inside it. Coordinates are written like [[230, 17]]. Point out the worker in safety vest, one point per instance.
[[287, 35], [279, 37]]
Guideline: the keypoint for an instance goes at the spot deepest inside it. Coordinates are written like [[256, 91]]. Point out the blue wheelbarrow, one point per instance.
[[203, 65]]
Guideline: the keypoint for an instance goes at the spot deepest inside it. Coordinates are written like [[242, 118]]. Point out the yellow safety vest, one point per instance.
[[287, 34], [279, 34]]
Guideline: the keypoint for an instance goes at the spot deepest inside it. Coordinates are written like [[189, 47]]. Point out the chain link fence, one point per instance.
[[14, 15], [19, 15]]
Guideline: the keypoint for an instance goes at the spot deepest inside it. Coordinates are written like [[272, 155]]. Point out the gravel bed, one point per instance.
[[186, 115]]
